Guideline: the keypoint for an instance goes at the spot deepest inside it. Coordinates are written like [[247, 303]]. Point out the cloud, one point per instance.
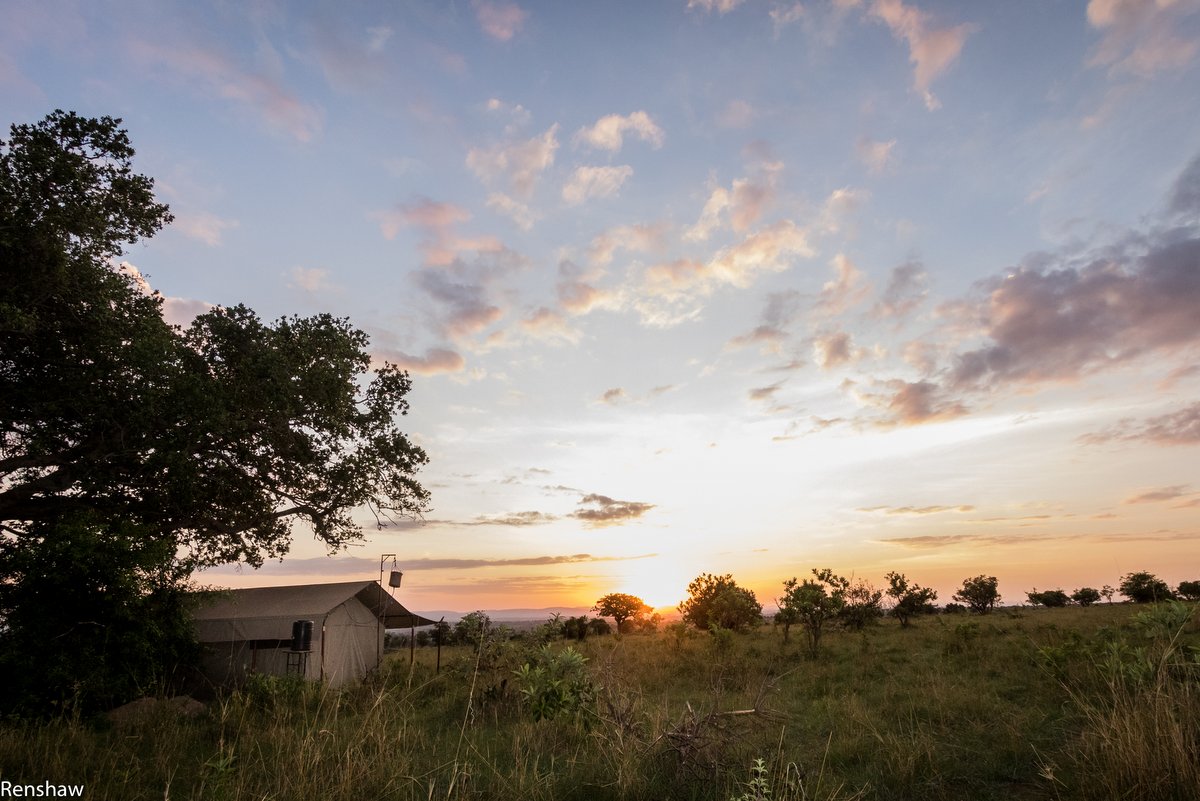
[[614, 396], [1142, 36], [912, 403], [768, 250], [846, 290], [907, 289], [548, 325], [1060, 323], [931, 541], [601, 511], [435, 361], [709, 6], [782, 16], [311, 279], [215, 73], [875, 156], [466, 306], [334, 565], [519, 164], [176, 311], [591, 182], [441, 245], [1157, 495], [609, 131], [1184, 200], [737, 114], [518, 212], [635, 238], [1180, 427], [781, 309], [203, 226], [834, 349], [931, 51], [742, 204], [501, 21], [518, 519], [764, 393], [917, 510]]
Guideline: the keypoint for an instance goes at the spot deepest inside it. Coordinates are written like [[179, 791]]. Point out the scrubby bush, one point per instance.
[[1144, 588], [863, 605], [1048, 598], [1189, 590], [1085, 596], [979, 594], [718, 600], [909, 600], [554, 684], [813, 603]]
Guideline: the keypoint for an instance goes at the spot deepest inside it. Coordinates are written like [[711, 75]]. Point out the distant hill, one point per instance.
[[511, 615]]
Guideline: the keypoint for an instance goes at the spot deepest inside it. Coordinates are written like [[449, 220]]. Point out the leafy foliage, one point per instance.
[[862, 605], [719, 601], [980, 594], [812, 604], [1049, 598], [192, 447], [1086, 596], [1144, 588], [555, 684], [472, 627], [1189, 590], [908, 600]]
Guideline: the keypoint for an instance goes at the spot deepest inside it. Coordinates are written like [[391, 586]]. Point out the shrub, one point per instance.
[[1189, 590], [979, 594], [1048, 598], [813, 603], [1085, 596], [1144, 588], [862, 605], [553, 684], [718, 600], [909, 600]]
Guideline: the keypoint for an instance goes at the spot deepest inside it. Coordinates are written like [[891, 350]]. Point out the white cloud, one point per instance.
[[501, 21], [609, 132], [518, 163], [930, 50], [203, 226], [592, 182], [515, 210]]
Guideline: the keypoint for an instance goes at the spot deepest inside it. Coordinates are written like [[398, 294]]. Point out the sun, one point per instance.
[[660, 581]]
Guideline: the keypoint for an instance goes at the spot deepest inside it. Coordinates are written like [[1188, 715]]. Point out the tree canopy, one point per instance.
[[719, 601], [979, 593], [621, 607], [203, 445]]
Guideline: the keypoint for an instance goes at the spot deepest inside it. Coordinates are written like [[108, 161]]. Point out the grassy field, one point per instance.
[[1095, 703]]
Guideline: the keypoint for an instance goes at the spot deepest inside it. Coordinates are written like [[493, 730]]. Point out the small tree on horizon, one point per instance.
[[1144, 588], [813, 603], [909, 600], [1048, 598], [980, 594], [1189, 590], [620, 607], [719, 601], [1085, 596]]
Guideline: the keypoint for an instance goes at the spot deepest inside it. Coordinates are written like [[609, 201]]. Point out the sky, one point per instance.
[[727, 286]]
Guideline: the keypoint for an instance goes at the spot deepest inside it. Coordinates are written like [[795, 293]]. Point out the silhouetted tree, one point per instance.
[[621, 607], [909, 600], [1085, 596], [1048, 598], [1189, 590], [1144, 588], [979, 593], [719, 601], [813, 603]]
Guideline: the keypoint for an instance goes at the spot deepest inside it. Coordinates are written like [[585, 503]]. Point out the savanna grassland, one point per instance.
[[1075, 703]]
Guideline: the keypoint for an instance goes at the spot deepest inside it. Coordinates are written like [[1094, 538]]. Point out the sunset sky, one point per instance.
[[699, 286]]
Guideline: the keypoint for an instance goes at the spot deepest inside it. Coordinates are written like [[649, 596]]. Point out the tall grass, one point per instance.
[[1055, 704]]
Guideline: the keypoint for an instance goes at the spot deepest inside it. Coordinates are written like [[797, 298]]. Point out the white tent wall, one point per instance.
[[352, 635]]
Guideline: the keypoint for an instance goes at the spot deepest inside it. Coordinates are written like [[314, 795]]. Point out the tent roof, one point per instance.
[[308, 600]]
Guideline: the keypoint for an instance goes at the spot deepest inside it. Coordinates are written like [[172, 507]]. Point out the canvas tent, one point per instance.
[[250, 630]]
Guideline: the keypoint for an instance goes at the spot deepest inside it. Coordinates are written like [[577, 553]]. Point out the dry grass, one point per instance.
[[1003, 706]]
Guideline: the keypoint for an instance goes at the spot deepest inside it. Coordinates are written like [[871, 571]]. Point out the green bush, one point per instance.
[[554, 684]]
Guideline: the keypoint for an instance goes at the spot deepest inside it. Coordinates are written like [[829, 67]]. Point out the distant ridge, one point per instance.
[[504, 615]]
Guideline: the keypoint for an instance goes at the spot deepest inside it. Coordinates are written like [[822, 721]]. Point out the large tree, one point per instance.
[[718, 602], [211, 442]]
